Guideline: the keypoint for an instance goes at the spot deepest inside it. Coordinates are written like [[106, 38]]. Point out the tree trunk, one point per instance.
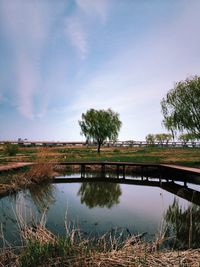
[[99, 146]]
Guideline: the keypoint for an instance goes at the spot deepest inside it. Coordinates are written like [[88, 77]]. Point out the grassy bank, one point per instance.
[[182, 156], [14, 180]]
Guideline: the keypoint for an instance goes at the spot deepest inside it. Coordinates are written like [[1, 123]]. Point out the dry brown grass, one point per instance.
[[137, 255], [8, 258], [37, 173], [39, 234], [40, 172]]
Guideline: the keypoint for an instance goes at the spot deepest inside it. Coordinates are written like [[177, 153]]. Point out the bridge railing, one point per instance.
[[106, 144]]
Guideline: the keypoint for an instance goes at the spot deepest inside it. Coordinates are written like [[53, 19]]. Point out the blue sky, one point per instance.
[[58, 58]]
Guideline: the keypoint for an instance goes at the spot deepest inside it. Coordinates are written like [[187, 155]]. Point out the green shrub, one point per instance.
[[10, 149]]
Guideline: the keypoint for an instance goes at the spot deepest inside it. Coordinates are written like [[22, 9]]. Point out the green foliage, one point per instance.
[[99, 125], [10, 149], [37, 254], [181, 108], [187, 137], [150, 139], [161, 138]]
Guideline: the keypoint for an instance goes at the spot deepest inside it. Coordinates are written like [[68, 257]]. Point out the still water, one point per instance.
[[94, 208]]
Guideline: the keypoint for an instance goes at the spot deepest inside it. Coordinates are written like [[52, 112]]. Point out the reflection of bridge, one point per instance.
[[167, 177], [171, 185]]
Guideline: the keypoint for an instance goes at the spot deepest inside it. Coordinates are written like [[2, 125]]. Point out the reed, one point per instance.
[[39, 172], [40, 247]]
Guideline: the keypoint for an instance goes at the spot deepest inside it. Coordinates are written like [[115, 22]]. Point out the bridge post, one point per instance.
[[124, 171], [142, 172], [117, 171], [82, 170], [185, 182], [103, 170]]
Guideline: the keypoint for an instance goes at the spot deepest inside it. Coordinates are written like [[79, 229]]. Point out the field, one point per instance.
[[182, 156]]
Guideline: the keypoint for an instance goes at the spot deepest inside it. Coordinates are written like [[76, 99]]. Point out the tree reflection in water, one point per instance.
[[99, 194], [42, 196], [184, 224]]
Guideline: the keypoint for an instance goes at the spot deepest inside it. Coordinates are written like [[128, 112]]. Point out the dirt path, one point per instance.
[[13, 165]]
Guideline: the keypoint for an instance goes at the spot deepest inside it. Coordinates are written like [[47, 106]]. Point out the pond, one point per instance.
[[93, 207]]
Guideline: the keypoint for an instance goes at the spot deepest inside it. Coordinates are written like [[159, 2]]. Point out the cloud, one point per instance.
[[79, 23], [134, 80], [77, 35], [94, 8], [27, 82], [26, 25]]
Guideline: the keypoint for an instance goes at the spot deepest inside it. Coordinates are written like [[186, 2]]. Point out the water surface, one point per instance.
[[94, 208]]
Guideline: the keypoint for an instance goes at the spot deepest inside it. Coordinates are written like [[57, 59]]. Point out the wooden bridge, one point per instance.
[[167, 177], [121, 167], [156, 175]]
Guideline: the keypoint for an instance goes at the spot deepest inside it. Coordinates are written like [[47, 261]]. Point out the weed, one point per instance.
[[116, 150], [10, 149]]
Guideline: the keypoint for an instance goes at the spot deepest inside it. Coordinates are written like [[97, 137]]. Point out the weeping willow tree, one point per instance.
[[181, 107], [100, 125]]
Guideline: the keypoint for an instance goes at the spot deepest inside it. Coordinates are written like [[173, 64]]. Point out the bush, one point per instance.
[[116, 150], [10, 149]]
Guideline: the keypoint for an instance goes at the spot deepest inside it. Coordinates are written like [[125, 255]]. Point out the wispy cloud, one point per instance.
[[27, 84], [94, 8], [77, 35], [26, 25], [77, 24]]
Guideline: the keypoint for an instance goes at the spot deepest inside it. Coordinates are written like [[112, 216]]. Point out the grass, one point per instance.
[[15, 180], [41, 248], [183, 156]]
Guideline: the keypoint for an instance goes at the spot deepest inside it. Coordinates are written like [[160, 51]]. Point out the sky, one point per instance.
[[59, 58]]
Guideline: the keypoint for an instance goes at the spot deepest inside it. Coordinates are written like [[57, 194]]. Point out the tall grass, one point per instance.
[[35, 174], [41, 248], [39, 172]]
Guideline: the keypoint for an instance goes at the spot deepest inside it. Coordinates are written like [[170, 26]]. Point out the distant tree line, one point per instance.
[[161, 138], [165, 138]]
